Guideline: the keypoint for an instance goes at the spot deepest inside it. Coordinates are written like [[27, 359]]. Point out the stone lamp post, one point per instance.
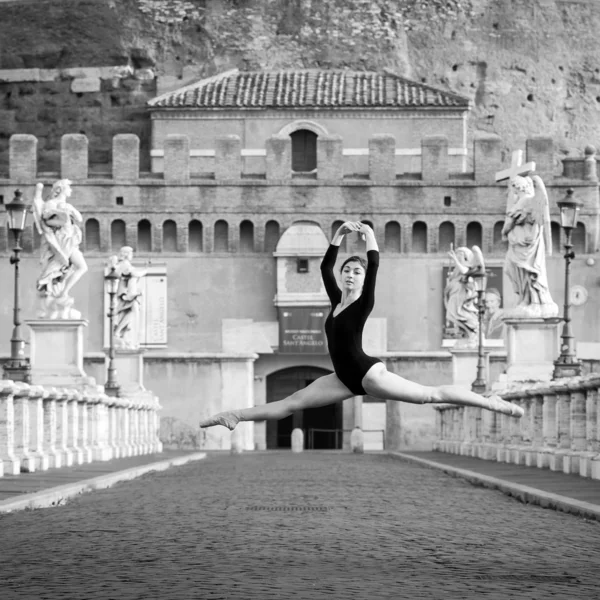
[[111, 281], [567, 364], [17, 368], [480, 281]]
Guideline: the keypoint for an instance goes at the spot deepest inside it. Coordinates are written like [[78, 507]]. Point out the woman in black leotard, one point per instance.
[[356, 373]]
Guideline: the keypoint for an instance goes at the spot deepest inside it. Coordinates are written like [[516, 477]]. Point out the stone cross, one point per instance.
[[516, 167]]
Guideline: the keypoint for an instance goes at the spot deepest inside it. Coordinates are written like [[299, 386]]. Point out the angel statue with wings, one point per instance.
[[63, 265], [460, 295], [126, 327], [527, 230]]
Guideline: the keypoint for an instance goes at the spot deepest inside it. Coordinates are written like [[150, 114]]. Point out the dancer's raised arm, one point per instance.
[[328, 262]]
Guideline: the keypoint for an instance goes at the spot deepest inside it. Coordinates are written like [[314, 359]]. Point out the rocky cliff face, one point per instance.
[[530, 66]]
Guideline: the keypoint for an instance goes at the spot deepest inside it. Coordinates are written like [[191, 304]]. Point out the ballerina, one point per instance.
[[357, 373]]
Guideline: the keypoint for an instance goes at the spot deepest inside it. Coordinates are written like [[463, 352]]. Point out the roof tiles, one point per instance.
[[308, 88]]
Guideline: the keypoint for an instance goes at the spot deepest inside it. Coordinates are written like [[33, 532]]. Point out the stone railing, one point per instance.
[[559, 429], [42, 428]]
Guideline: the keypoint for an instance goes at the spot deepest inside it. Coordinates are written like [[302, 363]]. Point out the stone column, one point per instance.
[[563, 428], [434, 158], [101, 449], [577, 434], [126, 431], [549, 428], [36, 406], [50, 430], [540, 149], [75, 434], [23, 429], [177, 159], [63, 429], [135, 430], [113, 418], [126, 157], [537, 420], [487, 158], [330, 157], [393, 425], [22, 158], [228, 158], [74, 156], [279, 157], [10, 464], [382, 158], [85, 420]]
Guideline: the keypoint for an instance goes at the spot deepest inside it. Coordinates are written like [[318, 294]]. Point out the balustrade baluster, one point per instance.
[[10, 463]]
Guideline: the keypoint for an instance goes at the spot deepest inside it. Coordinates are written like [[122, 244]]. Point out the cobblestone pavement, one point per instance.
[[312, 525]]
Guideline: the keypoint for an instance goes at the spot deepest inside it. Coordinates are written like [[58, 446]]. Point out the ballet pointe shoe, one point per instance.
[[228, 419], [497, 404]]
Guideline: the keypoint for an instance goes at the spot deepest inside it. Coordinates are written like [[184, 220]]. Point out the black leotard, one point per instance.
[[344, 331]]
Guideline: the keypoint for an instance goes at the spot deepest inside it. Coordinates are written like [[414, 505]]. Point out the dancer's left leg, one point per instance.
[[322, 391], [380, 383]]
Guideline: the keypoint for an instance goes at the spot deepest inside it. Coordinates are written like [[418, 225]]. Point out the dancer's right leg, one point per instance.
[[325, 390]]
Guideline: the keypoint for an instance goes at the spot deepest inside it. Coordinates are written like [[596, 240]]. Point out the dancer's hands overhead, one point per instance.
[[348, 227]]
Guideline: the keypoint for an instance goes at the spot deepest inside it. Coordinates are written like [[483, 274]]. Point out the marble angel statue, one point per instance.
[[527, 230], [460, 295], [63, 265], [126, 325]]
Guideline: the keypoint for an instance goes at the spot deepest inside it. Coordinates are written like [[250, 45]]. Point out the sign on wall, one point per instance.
[[493, 327], [302, 330], [152, 332]]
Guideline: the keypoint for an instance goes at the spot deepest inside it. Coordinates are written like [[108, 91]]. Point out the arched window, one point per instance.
[[419, 237], [221, 236], [246, 236], [169, 236], [555, 232], [578, 239], [446, 236], [271, 236], [304, 151], [498, 246], [392, 237], [144, 237], [92, 235], [117, 234], [474, 234], [334, 227], [195, 236]]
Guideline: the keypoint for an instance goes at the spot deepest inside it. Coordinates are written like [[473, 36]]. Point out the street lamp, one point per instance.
[[480, 281], [17, 368], [567, 364], [111, 280]]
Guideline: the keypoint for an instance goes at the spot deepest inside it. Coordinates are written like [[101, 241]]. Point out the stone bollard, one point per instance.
[[297, 440], [357, 441]]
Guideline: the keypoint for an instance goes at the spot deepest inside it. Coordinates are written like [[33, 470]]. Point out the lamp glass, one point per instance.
[[480, 282], [568, 215], [17, 215], [111, 282]]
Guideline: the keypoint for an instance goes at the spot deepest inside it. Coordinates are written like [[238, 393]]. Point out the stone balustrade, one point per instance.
[[559, 429], [42, 428]]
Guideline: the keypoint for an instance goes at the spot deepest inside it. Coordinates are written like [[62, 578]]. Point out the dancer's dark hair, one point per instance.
[[358, 259]]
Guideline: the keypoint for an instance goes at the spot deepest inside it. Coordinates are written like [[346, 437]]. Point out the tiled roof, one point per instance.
[[310, 88]]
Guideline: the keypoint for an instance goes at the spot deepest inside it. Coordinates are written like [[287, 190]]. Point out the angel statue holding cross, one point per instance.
[[527, 230]]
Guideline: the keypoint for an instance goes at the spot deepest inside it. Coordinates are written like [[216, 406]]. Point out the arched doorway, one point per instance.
[[322, 426]]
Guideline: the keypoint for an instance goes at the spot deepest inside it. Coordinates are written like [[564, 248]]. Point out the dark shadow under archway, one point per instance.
[[279, 433]]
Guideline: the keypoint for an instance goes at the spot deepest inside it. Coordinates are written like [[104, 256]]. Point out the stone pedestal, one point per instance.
[[129, 365], [57, 353], [532, 348], [464, 365]]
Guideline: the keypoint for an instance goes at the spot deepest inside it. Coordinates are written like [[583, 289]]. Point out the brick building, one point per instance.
[[250, 174]]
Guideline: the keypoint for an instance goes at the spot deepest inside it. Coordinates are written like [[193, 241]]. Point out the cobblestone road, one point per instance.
[[311, 525]]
